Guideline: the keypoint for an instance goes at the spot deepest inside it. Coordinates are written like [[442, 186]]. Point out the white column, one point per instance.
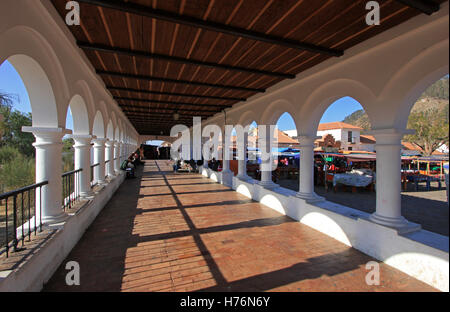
[[82, 148], [266, 166], [48, 168], [242, 163], [99, 158], [388, 181], [226, 151], [109, 156], [306, 171], [226, 174], [205, 161], [122, 152], [117, 157]]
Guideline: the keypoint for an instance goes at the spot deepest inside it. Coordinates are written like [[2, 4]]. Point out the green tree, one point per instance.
[[68, 145], [431, 128], [8, 153], [6, 101], [68, 155], [11, 123], [439, 90], [16, 170]]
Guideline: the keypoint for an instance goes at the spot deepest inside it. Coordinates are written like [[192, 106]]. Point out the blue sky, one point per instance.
[[10, 82], [335, 112]]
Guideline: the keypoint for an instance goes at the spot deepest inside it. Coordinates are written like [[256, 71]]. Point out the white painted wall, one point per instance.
[[423, 255], [39, 268], [336, 133]]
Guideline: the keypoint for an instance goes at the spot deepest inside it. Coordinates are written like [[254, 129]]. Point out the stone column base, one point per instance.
[[227, 177], [102, 182], [243, 177], [400, 224], [268, 184], [310, 197], [53, 220], [87, 195]]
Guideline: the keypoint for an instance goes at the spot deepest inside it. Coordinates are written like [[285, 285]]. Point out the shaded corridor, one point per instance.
[[182, 232]]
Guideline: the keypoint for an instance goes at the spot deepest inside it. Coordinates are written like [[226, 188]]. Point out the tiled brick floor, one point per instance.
[[182, 232]]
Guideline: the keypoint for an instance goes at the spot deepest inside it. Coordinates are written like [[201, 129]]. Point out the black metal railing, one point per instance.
[[70, 188], [92, 174], [19, 216]]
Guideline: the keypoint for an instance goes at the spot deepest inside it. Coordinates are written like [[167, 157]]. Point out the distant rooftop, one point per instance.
[[337, 125]]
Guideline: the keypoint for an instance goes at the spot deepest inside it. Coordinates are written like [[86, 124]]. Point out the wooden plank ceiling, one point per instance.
[[197, 57]]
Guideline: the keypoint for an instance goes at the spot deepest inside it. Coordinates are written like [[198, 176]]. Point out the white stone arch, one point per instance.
[[110, 130], [116, 133], [119, 130], [114, 120], [247, 118], [98, 128], [277, 108], [41, 71], [100, 106], [80, 115], [81, 88], [407, 85], [322, 97]]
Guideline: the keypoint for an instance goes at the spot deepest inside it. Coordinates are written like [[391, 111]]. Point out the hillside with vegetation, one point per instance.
[[429, 117]]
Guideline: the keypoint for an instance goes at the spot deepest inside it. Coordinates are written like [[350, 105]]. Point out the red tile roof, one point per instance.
[[337, 125], [367, 139]]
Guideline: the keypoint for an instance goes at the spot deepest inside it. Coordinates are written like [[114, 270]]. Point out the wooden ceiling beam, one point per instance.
[[108, 49], [138, 109], [197, 96], [156, 133], [165, 125], [425, 6], [157, 118], [169, 102], [194, 83], [149, 12]]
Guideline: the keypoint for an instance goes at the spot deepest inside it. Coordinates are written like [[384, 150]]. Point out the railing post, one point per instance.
[[48, 168], [15, 242]]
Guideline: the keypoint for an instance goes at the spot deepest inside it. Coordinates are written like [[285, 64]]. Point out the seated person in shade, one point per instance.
[[214, 164], [193, 165], [130, 168], [137, 159]]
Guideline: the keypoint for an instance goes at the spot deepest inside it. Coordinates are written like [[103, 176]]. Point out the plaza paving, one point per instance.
[[182, 232], [427, 208]]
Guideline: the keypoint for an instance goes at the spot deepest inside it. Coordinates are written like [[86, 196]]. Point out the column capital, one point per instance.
[[46, 136], [47, 133], [389, 136], [82, 140], [307, 140], [99, 141], [109, 143]]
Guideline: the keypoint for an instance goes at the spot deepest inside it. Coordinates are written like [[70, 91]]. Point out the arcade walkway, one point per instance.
[[182, 232]]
